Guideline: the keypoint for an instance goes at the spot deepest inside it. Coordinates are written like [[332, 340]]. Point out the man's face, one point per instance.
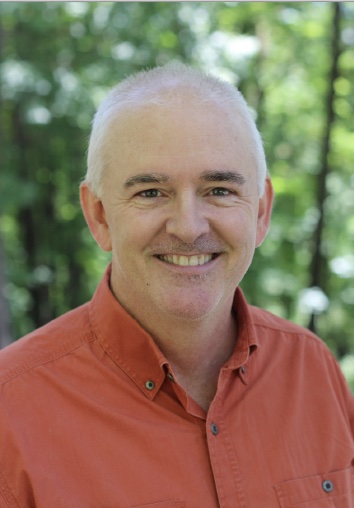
[[182, 209]]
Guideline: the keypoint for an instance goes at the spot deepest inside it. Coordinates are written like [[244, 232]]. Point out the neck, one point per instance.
[[196, 351]]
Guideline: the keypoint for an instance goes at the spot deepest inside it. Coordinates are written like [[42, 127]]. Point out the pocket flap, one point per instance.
[[316, 488]]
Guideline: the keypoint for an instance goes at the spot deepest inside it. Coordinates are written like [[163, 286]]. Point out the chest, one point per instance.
[[250, 451]]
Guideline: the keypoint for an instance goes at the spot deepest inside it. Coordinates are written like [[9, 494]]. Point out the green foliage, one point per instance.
[[58, 61]]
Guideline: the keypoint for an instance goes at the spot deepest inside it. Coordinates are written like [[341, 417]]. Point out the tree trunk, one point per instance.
[[5, 321], [318, 265]]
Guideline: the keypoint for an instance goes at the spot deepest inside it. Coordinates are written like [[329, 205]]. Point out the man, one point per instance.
[[167, 389]]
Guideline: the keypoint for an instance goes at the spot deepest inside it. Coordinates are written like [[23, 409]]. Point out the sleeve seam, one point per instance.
[[6, 493]]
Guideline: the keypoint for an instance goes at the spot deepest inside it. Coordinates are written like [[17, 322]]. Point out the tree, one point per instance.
[[294, 64]]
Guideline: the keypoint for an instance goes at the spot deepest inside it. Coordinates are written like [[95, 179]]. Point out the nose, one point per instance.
[[187, 218]]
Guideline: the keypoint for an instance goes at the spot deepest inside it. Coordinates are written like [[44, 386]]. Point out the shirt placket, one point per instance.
[[223, 459]]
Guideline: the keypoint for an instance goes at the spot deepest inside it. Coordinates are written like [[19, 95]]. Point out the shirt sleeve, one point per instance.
[[350, 404], [343, 390], [7, 499]]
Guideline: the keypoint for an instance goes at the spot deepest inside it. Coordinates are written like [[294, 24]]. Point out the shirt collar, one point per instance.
[[125, 341], [247, 341], [134, 350]]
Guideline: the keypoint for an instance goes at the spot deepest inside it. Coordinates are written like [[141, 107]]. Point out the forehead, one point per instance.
[[183, 134]]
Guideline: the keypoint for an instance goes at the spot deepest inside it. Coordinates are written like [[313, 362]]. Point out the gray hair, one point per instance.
[[156, 87]]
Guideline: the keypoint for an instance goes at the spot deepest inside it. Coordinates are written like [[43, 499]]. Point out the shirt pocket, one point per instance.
[[332, 490], [163, 504]]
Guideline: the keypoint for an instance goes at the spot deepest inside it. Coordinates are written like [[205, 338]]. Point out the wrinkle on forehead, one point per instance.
[[151, 139]]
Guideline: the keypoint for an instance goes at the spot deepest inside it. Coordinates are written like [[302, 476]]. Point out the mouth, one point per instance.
[[196, 260]]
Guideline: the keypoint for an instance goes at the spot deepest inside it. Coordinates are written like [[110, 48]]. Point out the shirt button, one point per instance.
[[327, 486], [150, 385], [214, 429]]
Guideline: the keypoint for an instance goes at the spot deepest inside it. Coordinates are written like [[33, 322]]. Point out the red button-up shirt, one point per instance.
[[91, 416]]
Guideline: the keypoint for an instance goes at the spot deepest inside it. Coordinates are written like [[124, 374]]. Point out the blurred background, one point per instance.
[[294, 63]]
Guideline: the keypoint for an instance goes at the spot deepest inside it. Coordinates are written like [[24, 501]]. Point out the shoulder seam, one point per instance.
[[43, 359], [300, 331], [283, 326], [303, 335]]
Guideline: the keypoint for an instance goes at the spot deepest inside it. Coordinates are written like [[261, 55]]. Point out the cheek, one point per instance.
[[132, 234], [239, 228]]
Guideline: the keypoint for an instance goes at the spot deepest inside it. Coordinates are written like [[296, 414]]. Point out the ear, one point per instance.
[[264, 212], [95, 216]]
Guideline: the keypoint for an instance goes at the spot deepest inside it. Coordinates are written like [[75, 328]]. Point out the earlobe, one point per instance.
[[95, 216], [264, 212]]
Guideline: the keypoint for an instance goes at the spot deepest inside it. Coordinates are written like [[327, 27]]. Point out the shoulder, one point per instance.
[[301, 359], [294, 347], [46, 344], [270, 328], [264, 319]]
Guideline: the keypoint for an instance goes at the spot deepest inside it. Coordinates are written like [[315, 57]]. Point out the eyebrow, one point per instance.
[[223, 176], [146, 178], [207, 176]]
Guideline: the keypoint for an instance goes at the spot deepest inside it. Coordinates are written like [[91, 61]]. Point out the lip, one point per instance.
[[189, 260], [188, 270]]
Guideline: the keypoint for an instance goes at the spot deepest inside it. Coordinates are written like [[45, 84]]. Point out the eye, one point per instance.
[[220, 191], [150, 193]]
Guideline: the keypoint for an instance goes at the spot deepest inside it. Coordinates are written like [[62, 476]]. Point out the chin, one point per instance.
[[193, 304], [191, 311]]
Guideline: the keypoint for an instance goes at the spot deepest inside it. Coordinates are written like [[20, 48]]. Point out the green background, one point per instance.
[[294, 62]]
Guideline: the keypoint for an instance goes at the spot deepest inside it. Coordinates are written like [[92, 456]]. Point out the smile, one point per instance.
[[202, 259]]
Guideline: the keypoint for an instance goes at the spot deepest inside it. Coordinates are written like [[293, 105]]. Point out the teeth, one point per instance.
[[187, 260]]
